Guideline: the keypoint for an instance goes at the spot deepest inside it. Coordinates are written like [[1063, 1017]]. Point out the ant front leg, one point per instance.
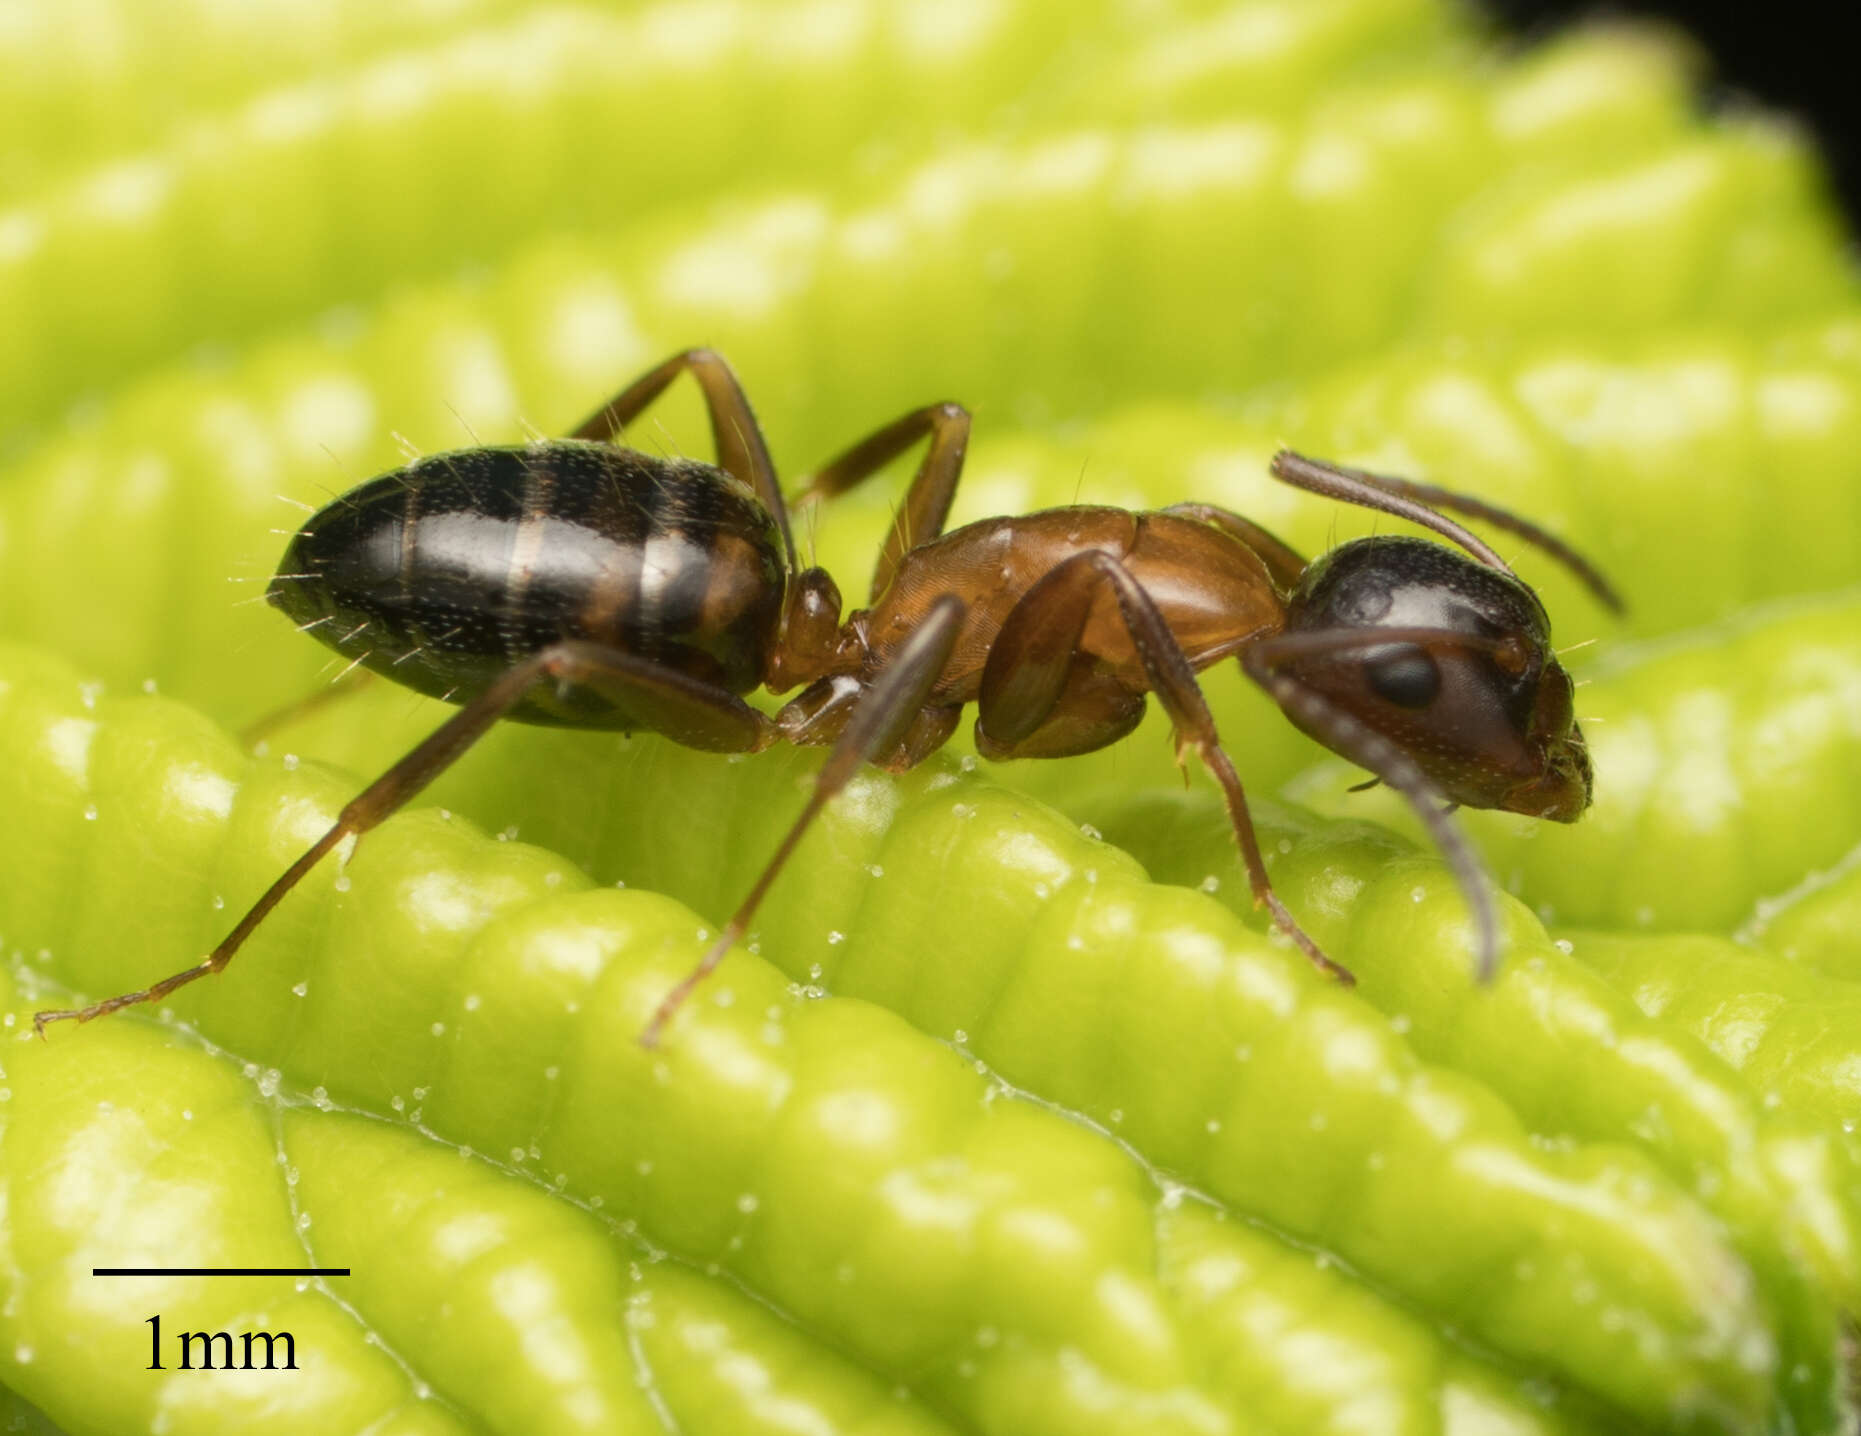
[[927, 502], [1362, 745], [741, 450], [880, 720], [684, 709], [1025, 694]]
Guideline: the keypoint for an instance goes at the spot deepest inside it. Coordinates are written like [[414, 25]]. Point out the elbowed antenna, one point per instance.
[[1409, 500]]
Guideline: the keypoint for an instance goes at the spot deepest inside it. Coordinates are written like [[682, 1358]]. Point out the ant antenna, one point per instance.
[[1408, 500]]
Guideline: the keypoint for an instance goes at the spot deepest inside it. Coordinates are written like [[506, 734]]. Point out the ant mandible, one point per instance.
[[577, 582]]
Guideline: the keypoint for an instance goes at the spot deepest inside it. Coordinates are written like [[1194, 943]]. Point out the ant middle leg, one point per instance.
[[1025, 692], [742, 452], [927, 502], [881, 720], [690, 712]]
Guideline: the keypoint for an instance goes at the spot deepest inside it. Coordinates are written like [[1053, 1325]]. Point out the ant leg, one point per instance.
[[1039, 696], [879, 721], [1409, 500], [741, 450], [1356, 741], [927, 502], [686, 710], [1283, 563], [257, 731], [1023, 682]]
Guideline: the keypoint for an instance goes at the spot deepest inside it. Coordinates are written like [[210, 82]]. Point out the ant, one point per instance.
[[578, 582]]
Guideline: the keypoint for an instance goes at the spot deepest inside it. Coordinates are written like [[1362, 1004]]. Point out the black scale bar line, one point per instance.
[[219, 1271]]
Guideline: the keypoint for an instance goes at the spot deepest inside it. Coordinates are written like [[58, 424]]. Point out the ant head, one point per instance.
[[1472, 694]]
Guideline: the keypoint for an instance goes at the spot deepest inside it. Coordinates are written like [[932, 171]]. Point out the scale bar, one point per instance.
[[219, 1271]]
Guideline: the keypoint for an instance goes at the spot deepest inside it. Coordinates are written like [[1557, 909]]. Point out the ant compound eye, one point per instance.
[[1407, 677]]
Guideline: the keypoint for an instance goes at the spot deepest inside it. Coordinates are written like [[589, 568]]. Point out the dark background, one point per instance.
[[1791, 55]]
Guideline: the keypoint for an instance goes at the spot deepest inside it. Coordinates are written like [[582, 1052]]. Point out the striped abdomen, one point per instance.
[[444, 573]]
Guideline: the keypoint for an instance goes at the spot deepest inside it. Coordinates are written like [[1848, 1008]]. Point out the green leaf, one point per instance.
[[1066, 1150]]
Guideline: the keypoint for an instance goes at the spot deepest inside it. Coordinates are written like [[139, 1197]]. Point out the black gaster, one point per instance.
[[445, 573]]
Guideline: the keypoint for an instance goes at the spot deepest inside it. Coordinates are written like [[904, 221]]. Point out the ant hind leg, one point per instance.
[[881, 719], [690, 712], [742, 452]]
